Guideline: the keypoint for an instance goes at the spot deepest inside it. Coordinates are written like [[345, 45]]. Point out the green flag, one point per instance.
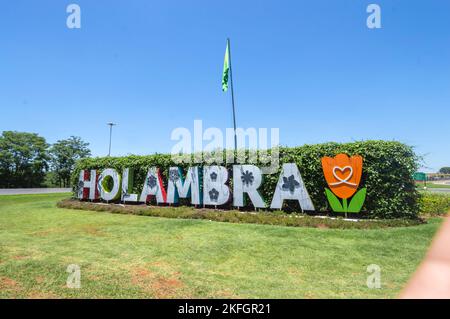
[[226, 70]]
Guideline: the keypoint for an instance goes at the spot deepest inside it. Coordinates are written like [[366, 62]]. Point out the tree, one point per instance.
[[64, 154], [445, 170], [23, 159]]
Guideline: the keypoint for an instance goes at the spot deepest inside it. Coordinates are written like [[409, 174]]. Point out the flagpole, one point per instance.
[[232, 95]]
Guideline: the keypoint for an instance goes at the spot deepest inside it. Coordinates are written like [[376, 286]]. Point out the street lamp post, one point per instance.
[[111, 124]]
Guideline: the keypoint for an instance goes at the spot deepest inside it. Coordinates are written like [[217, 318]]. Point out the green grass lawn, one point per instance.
[[147, 257], [431, 185]]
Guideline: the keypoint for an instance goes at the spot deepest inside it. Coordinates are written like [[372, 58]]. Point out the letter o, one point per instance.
[[114, 192]]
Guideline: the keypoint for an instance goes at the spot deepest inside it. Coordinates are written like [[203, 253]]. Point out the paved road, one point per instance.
[[439, 190], [23, 191]]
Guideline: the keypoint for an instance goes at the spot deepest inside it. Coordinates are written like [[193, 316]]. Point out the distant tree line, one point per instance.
[[27, 160]]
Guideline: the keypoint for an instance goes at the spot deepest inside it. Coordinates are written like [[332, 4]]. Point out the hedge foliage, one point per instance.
[[434, 204], [387, 173]]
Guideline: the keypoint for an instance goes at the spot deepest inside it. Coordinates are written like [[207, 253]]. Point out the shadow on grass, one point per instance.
[[265, 218]]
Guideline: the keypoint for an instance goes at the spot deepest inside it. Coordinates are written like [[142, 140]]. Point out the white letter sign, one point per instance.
[[291, 186], [183, 188], [247, 179], [127, 186], [114, 192], [215, 190], [87, 185], [153, 186]]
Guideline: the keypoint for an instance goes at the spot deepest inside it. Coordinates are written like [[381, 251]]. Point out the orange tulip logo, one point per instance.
[[343, 175]]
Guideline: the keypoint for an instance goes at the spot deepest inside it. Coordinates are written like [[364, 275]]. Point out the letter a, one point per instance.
[[74, 19], [291, 186], [374, 19]]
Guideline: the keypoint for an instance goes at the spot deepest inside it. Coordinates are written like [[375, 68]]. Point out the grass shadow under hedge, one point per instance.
[[265, 218]]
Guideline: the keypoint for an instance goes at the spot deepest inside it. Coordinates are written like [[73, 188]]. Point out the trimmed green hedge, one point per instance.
[[387, 173], [434, 204]]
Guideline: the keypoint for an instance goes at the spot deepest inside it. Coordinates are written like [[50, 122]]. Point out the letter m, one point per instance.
[[179, 187]]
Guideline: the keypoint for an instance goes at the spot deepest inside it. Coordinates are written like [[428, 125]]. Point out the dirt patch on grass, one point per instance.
[[159, 286], [161, 266], [43, 233], [141, 274], [85, 229], [19, 257], [226, 294], [309, 295], [295, 276], [93, 230], [41, 295], [166, 287], [94, 277], [39, 279], [9, 284]]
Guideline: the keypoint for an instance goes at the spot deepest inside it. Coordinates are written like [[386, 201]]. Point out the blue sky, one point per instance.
[[311, 68]]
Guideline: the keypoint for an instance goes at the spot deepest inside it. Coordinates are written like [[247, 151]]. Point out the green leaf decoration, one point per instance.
[[357, 201], [334, 201]]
